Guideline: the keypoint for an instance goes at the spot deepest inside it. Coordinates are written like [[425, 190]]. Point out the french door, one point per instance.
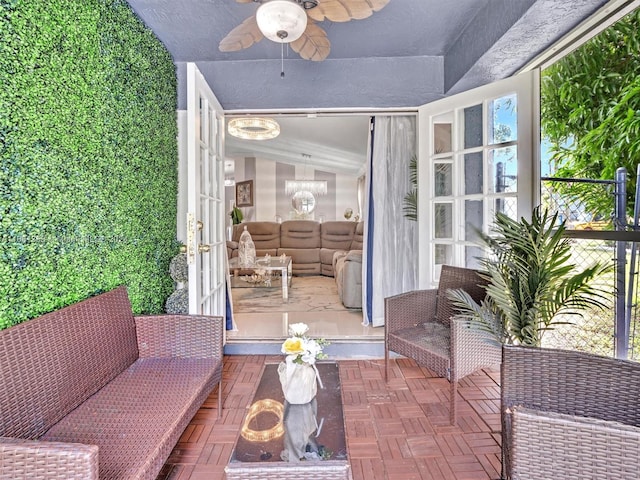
[[477, 155], [205, 241]]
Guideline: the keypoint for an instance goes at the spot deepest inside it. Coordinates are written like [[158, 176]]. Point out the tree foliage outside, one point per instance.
[[590, 111]]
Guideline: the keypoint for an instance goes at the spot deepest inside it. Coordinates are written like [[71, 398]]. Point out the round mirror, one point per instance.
[[303, 202]]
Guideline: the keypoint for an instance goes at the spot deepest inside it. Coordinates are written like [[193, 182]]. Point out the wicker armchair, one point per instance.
[[418, 325], [569, 415]]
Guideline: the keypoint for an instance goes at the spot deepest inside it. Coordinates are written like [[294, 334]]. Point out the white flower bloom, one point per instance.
[[298, 329]]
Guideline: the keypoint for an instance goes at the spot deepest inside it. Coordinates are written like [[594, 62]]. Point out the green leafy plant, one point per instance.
[[88, 157], [410, 206], [236, 215], [532, 282]]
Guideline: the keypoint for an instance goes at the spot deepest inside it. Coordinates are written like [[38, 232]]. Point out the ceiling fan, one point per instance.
[[294, 22]]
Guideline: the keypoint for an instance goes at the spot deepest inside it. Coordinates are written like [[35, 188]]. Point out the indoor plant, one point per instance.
[[531, 280], [236, 215]]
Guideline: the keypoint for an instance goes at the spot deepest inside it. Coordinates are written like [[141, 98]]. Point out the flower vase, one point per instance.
[[298, 382]]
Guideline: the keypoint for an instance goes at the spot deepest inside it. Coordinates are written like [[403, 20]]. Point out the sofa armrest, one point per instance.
[[409, 309], [553, 445], [354, 256], [195, 336], [20, 458]]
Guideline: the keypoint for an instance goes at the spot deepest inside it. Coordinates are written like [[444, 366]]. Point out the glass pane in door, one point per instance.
[[503, 120], [443, 180], [473, 126]]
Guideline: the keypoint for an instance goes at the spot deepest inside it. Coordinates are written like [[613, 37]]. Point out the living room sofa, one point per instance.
[[332, 249], [90, 391]]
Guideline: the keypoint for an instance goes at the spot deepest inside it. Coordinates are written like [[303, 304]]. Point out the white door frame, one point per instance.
[[526, 87]]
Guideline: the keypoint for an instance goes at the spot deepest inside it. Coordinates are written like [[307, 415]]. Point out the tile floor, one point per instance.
[[396, 430]]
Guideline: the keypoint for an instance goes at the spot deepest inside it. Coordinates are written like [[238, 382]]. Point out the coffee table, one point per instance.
[[270, 427], [261, 275]]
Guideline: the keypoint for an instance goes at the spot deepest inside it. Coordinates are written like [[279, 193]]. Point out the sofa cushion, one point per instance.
[[337, 235], [45, 380], [305, 261], [147, 407], [265, 235], [300, 234], [358, 237]]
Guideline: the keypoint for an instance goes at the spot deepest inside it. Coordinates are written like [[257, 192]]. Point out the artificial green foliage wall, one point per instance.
[[88, 157]]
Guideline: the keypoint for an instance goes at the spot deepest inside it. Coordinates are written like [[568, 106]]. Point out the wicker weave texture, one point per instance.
[[568, 383], [35, 460], [553, 445], [53, 363], [325, 470], [418, 325], [123, 424]]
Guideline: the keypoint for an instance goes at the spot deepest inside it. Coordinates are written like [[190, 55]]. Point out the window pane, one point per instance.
[[504, 170], [473, 126], [474, 217], [443, 254], [507, 205], [443, 180], [442, 138], [443, 220], [503, 123], [203, 123], [472, 256], [473, 173]]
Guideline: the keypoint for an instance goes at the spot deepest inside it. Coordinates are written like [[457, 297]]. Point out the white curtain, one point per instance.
[[390, 250]]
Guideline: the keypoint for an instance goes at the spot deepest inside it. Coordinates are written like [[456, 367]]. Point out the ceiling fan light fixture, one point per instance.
[[254, 128], [281, 21]]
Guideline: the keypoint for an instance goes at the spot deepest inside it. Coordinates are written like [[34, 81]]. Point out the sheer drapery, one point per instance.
[[390, 248]]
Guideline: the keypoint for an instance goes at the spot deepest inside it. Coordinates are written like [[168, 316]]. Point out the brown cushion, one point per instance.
[[300, 234], [337, 235], [358, 237], [265, 235]]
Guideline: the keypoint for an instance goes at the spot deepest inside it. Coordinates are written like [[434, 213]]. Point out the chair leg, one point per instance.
[[386, 364], [220, 399], [453, 410]]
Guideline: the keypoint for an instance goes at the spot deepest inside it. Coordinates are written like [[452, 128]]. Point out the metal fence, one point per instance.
[[596, 331]]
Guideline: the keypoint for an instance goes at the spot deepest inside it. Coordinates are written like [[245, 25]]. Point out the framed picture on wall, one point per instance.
[[244, 193]]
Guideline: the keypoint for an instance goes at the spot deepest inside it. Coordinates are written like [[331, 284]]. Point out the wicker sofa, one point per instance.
[[568, 414], [90, 391]]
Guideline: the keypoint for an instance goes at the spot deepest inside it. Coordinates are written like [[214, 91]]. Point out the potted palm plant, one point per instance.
[[533, 284]]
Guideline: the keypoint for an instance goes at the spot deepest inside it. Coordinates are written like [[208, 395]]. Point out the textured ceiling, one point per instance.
[[409, 53]]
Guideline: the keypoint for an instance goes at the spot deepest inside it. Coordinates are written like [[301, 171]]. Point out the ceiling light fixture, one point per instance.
[[254, 128], [282, 21], [316, 187]]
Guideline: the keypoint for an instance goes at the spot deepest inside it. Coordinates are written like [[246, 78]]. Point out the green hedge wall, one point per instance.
[[88, 157]]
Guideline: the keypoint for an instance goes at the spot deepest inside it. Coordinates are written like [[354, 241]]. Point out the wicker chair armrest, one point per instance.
[[194, 336], [471, 349], [552, 445], [35, 459], [409, 309]]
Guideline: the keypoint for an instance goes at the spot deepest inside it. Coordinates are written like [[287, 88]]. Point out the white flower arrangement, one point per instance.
[[301, 349]]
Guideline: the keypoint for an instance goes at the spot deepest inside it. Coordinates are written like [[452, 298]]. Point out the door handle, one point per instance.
[[203, 248]]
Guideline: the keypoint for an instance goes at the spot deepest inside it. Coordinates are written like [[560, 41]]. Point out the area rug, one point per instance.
[[306, 294]]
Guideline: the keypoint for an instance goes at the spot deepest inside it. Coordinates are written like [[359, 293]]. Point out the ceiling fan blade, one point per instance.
[[243, 36], [345, 10], [313, 44], [244, 1]]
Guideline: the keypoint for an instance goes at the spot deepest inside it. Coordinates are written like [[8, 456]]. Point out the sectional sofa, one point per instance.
[[332, 249]]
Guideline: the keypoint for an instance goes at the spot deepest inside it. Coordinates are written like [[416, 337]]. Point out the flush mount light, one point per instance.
[[254, 128], [282, 21]]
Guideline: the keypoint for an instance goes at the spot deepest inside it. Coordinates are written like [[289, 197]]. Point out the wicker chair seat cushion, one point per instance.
[[431, 336], [137, 418]]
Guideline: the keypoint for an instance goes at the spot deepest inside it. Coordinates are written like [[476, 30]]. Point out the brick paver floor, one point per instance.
[[396, 430]]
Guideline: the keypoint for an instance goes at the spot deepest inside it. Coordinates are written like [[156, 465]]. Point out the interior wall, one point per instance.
[[270, 201]]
